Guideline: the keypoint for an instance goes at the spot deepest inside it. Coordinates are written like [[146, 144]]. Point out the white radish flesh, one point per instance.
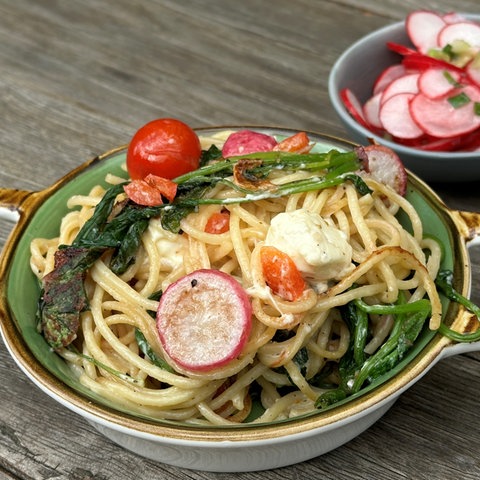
[[437, 82], [385, 166], [423, 27], [354, 107], [439, 118], [469, 32], [371, 110], [406, 84], [396, 118], [473, 71], [387, 76]]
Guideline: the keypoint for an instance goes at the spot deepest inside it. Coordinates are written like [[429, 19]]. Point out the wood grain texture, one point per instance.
[[78, 78]]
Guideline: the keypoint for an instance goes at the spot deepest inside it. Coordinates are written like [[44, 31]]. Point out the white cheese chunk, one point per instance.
[[320, 250], [169, 245]]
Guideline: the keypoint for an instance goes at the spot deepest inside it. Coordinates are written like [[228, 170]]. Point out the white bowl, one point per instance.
[[356, 69], [244, 447]]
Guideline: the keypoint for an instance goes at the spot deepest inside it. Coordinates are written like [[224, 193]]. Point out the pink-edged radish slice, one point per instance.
[[371, 110], [387, 76], [405, 84], [244, 142], [473, 145], [448, 144], [472, 70], [467, 31], [441, 118], [400, 49], [354, 107], [421, 62], [396, 118], [423, 27], [437, 82], [453, 17], [204, 320], [385, 166]]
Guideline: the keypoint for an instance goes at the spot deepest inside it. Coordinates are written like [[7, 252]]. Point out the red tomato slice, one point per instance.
[[218, 222], [165, 147], [166, 187], [281, 274], [298, 143], [149, 191]]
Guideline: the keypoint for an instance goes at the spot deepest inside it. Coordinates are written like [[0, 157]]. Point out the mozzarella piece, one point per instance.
[[170, 246], [320, 250]]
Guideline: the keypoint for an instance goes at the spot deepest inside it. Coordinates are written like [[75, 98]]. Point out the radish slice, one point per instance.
[[423, 27], [396, 118], [354, 107], [371, 110], [406, 84], [453, 17], [387, 76], [400, 49], [437, 117], [204, 320], [473, 71], [437, 82], [419, 61], [469, 32], [472, 144], [448, 144], [385, 166], [244, 142]]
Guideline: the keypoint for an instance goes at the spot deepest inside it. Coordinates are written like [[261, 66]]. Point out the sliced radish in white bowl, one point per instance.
[[406, 84], [447, 116], [468, 32], [431, 74], [395, 117], [423, 27], [438, 82]]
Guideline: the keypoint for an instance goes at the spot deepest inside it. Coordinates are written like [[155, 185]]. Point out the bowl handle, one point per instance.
[[468, 224], [11, 201]]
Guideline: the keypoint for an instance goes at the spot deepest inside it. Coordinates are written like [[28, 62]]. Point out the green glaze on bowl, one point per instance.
[[51, 373]]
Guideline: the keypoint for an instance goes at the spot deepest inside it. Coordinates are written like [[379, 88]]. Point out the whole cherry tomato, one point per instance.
[[165, 147]]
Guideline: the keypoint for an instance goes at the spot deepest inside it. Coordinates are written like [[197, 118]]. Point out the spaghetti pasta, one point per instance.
[[292, 354]]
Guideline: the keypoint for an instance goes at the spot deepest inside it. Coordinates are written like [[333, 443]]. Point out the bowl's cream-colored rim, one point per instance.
[[465, 225]]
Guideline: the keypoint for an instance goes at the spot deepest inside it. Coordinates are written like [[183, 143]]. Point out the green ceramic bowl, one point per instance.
[[211, 448]]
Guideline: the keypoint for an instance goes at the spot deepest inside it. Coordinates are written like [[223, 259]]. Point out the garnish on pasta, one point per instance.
[[272, 275]]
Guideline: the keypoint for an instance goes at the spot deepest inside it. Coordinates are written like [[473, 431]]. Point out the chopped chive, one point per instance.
[[476, 108], [450, 79], [459, 100]]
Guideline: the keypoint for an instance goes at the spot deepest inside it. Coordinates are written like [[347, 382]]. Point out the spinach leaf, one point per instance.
[[444, 282], [147, 350], [355, 368]]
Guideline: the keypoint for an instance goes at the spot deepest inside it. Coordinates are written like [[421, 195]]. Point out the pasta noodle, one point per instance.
[[388, 263]]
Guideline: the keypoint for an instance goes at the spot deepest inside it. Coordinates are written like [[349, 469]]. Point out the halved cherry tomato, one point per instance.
[[297, 143], [150, 190], [165, 147], [281, 274], [219, 222]]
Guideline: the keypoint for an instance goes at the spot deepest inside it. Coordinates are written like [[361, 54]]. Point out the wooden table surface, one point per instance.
[[78, 78]]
